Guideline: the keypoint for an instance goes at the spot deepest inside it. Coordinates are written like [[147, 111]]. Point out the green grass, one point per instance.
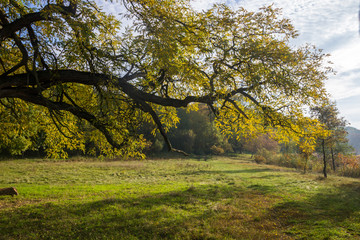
[[216, 198]]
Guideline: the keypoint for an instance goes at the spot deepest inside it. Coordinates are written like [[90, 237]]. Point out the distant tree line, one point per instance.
[[197, 134]]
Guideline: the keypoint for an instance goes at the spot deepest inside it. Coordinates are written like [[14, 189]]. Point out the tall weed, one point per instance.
[[349, 165]]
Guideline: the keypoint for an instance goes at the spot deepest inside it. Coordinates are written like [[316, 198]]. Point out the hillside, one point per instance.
[[354, 138], [214, 198]]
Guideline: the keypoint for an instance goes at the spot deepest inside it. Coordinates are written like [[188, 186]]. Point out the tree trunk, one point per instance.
[[324, 158], [306, 161], [333, 159]]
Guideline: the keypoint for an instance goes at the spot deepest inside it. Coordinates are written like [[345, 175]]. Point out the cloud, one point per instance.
[[344, 84], [350, 109], [114, 7], [204, 4]]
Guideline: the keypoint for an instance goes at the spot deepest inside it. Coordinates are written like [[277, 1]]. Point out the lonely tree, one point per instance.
[[71, 73]]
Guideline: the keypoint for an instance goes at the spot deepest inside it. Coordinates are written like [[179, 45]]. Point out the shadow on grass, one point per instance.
[[263, 188], [181, 215], [268, 176], [327, 215], [211, 172], [202, 212]]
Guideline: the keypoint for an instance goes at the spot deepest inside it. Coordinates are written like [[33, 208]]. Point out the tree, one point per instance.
[[82, 74], [197, 133], [307, 142], [261, 142], [328, 115]]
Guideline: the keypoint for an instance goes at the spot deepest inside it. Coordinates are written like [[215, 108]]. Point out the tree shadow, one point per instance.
[[157, 216], [262, 188], [268, 176], [215, 211], [332, 214], [197, 172]]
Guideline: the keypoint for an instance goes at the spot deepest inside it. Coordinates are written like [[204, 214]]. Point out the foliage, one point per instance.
[[197, 133], [261, 142], [259, 159], [349, 165], [327, 114], [90, 82], [217, 150]]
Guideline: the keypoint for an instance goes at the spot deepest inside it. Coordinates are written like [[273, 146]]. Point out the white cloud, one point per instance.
[[346, 56], [350, 109], [204, 4], [344, 85], [113, 7]]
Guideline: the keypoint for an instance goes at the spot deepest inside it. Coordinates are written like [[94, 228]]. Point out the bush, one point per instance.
[[292, 160], [349, 165], [217, 150], [157, 146], [259, 159], [271, 157], [265, 153]]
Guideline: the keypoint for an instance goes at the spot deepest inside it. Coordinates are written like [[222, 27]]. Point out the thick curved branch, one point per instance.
[[33, 97], [23, 86], [9, 28], [51, 78], [147, 108]]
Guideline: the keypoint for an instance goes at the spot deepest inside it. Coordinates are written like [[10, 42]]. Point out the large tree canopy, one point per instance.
[[73, 69]]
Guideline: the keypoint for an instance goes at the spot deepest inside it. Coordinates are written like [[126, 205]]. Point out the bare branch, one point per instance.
[[78, 112]]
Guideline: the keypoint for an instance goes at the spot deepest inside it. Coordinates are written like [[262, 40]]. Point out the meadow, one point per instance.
[[177, 198]]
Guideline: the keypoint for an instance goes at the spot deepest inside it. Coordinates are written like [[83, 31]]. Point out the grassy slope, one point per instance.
[[221, 198]]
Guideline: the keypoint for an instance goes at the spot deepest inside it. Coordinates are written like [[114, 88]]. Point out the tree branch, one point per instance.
[[45, 14], [147, 108], [237, 107], [23, 86], [33, 97]]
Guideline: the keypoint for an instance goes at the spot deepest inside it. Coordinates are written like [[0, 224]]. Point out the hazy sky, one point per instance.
[[331, 25]]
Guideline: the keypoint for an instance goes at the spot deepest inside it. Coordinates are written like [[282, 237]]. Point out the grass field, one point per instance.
[[216, 198]]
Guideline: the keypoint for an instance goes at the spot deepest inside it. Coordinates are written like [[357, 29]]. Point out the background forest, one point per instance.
[[197, 134]]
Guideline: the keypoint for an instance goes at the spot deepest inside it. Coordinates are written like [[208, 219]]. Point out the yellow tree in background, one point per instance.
[[309, 139]]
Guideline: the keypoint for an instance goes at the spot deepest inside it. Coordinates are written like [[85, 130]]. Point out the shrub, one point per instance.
[[271, 157], [259, 159], [157, 146], [349, 165], [292, 160], [265, 153], [217, 150]]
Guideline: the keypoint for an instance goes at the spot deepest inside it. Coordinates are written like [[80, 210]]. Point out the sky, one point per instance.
[[331, 25]]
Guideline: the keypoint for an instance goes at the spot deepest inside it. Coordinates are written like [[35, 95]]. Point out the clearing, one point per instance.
[[188, 198]]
